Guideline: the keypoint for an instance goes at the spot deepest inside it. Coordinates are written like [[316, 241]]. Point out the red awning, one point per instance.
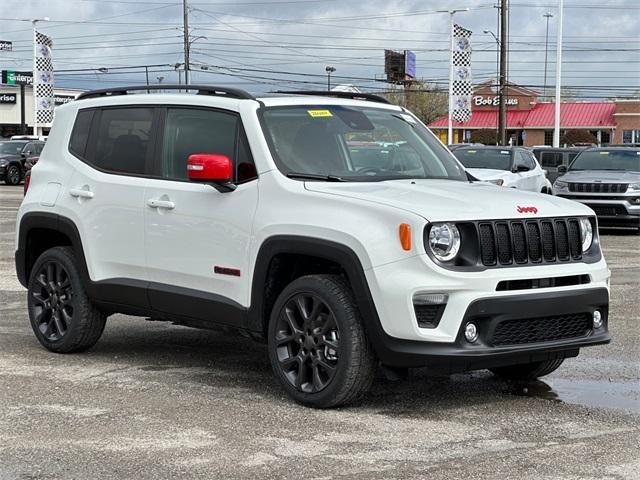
[[579, 114], [572, 115]]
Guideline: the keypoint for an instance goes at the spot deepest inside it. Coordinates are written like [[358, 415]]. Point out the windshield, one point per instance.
[[625, 160], [355, 144], [485, 158], [11, 147]]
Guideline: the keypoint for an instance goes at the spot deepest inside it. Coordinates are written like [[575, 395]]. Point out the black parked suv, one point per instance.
[[13, 156], [552, 158]]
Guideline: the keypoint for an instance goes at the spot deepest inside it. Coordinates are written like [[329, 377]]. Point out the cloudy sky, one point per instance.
[[264, 45]]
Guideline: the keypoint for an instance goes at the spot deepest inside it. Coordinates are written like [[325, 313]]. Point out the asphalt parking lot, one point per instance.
[[153, 400]]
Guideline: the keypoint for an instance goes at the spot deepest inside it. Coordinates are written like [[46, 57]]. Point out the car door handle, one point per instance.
[[155, 203], [81, 192]]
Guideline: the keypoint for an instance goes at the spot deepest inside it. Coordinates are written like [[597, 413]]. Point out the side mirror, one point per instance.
[[211, 168], [562, 169]]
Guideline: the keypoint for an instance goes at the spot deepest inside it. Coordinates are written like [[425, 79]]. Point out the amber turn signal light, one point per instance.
[[404, 231]]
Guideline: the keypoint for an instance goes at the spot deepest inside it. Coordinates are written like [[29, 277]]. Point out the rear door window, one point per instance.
[[551, 159], [122, 140]]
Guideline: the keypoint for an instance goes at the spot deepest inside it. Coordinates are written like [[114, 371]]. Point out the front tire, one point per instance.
[[528, 371], [62, 317], [317, 344], [13, 175]]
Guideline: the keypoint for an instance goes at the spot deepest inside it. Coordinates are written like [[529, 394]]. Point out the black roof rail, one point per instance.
[[202, 90], [330, 93]]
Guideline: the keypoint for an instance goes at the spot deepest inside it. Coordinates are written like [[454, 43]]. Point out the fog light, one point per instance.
[[471, 332], [597, 319], [430, 298]]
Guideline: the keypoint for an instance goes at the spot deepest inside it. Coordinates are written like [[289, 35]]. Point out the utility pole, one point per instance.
[[546, 51], [185, 25], [556, 126], [495, 37], [502, 112]]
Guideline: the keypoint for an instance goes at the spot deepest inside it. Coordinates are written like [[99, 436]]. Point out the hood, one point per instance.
[[604, 176], [8, 156], [450, 200], [487, 173]]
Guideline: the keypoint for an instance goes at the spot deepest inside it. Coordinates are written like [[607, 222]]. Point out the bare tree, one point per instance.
[[426, 102]]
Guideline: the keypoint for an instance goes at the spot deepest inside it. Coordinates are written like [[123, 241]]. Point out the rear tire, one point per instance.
[[317, 344], [13, 175], [62, 317], [528, 371]]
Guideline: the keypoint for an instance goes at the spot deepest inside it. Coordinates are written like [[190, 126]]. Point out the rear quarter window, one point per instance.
[[80, 133]]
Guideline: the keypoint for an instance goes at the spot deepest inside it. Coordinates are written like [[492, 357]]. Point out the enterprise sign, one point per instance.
[[11, 77], [7, 98]]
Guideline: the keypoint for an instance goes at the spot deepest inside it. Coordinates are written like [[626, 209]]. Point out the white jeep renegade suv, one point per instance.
[[335, 228]]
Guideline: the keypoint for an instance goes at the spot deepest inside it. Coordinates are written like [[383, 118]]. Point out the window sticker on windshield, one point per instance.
[[471, 151], [604, 153], [504, 152], [319, 113]]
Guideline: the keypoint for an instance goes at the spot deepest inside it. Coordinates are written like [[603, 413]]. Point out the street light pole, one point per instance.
[[547, 15], [450, 119], [556, 126], [329, 69]]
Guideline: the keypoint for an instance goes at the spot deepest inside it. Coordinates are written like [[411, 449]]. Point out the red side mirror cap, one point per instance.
[[209, 167]]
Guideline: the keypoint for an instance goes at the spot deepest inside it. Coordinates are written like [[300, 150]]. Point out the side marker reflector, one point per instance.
[[404, 231]]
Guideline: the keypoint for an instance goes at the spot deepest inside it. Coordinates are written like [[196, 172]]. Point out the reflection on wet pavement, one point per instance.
[[591, 393]]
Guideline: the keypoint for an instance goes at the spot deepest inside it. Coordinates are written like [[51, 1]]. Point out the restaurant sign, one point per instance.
[[482, 101]]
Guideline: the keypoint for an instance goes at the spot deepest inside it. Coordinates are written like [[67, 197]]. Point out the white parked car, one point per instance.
[[512, 167], [336, 229]]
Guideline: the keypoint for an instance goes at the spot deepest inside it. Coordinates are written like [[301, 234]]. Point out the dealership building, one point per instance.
[[11, 108], [530, 121]]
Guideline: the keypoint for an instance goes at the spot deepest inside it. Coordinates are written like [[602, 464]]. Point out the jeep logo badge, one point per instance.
[[533, 210]]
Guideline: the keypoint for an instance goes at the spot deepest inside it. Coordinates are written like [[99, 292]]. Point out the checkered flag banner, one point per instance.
[[43, 80], [462, 80]]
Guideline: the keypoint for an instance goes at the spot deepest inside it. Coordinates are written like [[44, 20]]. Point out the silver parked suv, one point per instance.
[[608, 181]]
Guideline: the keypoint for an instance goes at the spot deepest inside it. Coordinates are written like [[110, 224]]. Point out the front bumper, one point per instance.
[[487, 314], [611, 211]]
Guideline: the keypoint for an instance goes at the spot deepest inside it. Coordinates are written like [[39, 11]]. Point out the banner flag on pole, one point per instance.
[[43, 80], [462, 79]]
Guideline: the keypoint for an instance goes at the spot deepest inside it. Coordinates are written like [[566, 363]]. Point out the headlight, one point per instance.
[[633, 187], [444, 241], [561, 186], [498, 182], [586, 233], [3, 163]]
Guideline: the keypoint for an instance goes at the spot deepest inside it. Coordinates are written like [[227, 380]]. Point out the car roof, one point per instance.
[[609, 149]]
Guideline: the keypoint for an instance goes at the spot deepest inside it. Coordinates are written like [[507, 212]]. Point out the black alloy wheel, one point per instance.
[[62, 316], [13, 175], [307, 342], [318, 347], [53, 301]]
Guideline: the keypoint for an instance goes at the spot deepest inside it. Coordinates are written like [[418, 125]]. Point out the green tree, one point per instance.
[[424, 101]]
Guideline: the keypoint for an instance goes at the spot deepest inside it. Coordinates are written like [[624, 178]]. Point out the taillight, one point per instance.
[[27, 181]]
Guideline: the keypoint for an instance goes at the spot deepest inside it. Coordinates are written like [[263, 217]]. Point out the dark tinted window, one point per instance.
[[80, 133], [245, 168], [122, 140], [29, 149], [551, 159], [621, 160], [39, 147], [190, 130]]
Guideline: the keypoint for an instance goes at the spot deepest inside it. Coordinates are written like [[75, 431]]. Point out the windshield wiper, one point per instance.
[[315, 176]]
